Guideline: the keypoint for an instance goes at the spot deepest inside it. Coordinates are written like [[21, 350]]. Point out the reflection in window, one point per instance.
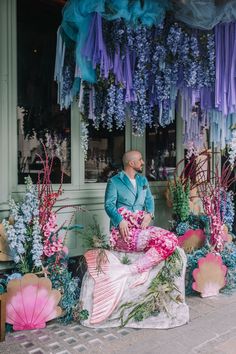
[[105, 151], [39, 116], [160, 152]]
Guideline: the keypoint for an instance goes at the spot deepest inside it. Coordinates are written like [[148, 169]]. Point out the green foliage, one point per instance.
[[63, 281], [161, 290], [83, 315], [180, 197], [125, 260], [93, 237], [3, 285]]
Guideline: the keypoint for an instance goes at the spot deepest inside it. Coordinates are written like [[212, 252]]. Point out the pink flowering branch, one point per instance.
[[53, 240]]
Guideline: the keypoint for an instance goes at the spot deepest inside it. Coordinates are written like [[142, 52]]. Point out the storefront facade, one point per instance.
[[23, 90]]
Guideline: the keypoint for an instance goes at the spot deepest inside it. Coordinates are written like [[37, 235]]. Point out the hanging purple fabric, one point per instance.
[[225, 85], [128, 65], [117, 66], [95, 48]]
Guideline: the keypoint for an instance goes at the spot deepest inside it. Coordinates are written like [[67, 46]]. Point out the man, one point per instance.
[[130, 206], [130, 190]]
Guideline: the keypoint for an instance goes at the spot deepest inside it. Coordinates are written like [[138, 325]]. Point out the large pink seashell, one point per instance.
[[192, 240], [31, 302], [210, 275]]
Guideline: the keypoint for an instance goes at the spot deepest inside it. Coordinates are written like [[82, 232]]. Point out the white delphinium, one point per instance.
[[37, 247], [232, 148]]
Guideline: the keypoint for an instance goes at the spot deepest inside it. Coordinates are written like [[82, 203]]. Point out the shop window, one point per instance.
[[160, 152], [39, 116], [104, 156]]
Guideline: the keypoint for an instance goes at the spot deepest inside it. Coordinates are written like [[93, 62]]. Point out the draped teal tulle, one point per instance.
[[77, 15], [152, 12], [76, 21], [205, 14]]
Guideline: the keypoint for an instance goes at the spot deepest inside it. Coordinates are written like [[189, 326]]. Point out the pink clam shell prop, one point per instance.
[[192, 240], [210, 275], [31, 302]]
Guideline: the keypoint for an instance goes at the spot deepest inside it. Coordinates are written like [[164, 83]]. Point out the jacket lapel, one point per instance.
[[126, 181], [139, 186]]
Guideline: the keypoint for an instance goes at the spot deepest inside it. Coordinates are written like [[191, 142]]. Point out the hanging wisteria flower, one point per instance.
[[84, 138], [120, 115], [151, 64], [111, 97], [141, 113], [211, 59], [192, 150], [174, 38]]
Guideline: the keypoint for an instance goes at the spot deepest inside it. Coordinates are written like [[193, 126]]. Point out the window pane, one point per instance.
[[39, 116], [105, 151], [160, 152]]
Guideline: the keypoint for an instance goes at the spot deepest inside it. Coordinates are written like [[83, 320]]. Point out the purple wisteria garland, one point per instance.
[[142, 75], [142, 71]]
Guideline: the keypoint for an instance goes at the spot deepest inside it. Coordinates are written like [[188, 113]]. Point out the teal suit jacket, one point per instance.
[[121, 193]]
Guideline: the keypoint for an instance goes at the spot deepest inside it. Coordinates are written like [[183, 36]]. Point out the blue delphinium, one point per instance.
[[24, 233], [227, 208]]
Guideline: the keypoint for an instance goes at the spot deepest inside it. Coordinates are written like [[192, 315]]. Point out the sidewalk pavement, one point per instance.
[[211, 330]]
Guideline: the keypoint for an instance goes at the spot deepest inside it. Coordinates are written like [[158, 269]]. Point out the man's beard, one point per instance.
[[139, 170]]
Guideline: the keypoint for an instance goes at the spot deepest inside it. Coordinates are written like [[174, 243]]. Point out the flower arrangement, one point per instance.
[[215, 218], [37, 242]]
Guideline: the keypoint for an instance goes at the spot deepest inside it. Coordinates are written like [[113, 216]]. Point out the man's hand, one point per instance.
[[124, 230], [146, 221]]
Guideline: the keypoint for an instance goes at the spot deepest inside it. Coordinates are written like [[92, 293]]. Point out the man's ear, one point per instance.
[[131, 163]]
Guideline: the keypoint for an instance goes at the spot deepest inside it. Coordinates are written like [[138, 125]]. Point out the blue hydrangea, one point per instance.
[[182, 227]]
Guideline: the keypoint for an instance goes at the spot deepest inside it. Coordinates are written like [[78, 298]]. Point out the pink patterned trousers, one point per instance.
[[140, 240]]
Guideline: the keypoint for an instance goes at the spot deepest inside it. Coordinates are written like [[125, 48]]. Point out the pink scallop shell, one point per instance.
[[210, 275], [31, 302]]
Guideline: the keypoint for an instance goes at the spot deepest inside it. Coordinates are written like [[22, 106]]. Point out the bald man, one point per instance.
[[129, 204], [131, 190]]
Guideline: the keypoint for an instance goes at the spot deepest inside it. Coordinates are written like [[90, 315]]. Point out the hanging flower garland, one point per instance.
[[142, 71], [140, 109]]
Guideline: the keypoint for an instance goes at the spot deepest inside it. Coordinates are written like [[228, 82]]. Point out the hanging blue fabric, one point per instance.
[[77, 16], [151, 13], [204, 14]]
